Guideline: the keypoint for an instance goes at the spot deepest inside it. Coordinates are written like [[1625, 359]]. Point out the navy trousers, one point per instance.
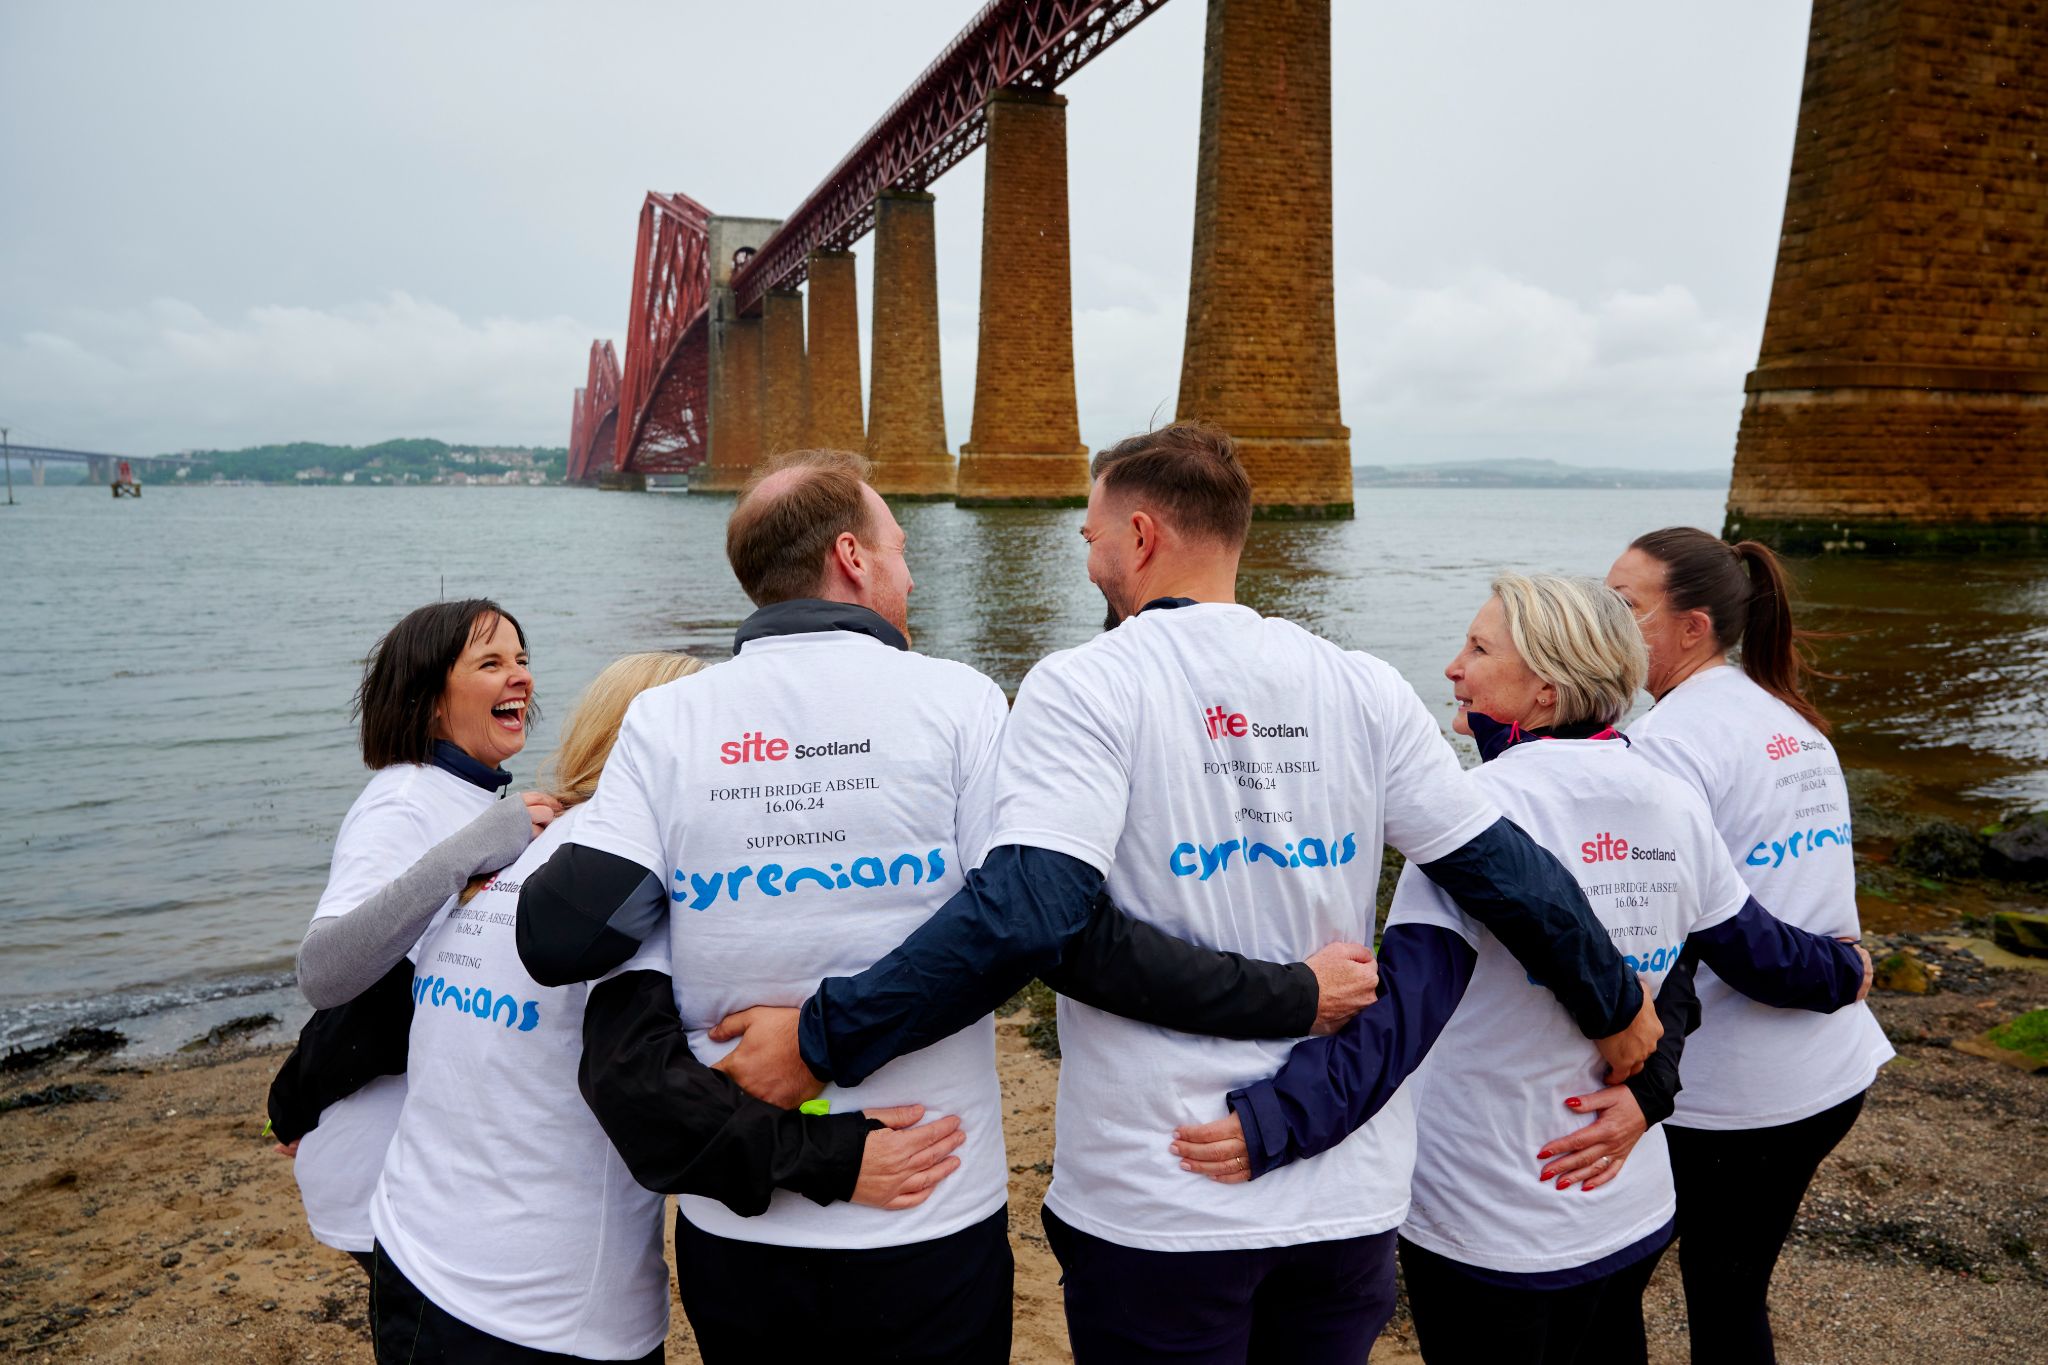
[[1316, 1303]]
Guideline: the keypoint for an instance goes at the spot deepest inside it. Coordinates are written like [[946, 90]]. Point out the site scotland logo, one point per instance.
[[1789, 746], [1611, 848], [754, 746], [1223, 723]]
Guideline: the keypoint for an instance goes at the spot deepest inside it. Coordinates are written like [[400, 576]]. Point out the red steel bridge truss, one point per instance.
[[657, 423], [594, 423]]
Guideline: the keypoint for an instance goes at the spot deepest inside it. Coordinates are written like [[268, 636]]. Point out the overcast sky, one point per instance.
[[232, 224]]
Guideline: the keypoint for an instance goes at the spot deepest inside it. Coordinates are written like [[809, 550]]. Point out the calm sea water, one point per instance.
[[175, 675]]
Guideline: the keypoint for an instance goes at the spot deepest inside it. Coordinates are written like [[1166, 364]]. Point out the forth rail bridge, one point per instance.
[[1900, 400]]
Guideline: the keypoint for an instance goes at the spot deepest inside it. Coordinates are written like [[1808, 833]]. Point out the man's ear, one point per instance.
[[1146, 531], [847, 557]]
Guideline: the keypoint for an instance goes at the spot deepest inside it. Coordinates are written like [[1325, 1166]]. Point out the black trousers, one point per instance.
[[1316, 1303], [409, 1329], [1460, 1317], [1738, 1193], [946, 1300]]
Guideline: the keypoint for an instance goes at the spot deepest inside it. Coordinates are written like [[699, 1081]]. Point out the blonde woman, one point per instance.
[[1518, 1246]]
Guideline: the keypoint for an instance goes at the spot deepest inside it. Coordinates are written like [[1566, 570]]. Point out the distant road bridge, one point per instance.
[[99, 466]]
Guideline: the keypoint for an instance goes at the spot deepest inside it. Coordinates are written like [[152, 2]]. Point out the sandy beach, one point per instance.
[[149, 1222]]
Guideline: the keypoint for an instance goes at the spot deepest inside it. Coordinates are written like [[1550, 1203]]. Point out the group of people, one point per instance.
[[743, 947]]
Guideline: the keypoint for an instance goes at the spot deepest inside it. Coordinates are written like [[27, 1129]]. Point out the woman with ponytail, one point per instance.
[[1767, 1093]]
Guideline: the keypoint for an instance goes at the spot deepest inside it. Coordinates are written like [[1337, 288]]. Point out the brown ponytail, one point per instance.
[[1746, 594]]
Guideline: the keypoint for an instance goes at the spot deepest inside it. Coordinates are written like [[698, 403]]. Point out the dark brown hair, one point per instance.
[[1188, 474], [1747, 595], [777, 545], [408, 671]]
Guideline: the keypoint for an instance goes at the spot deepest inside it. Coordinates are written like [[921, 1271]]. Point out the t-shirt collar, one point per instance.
[[1495, 739], [808, 615], [1168, 603], [450, 759]]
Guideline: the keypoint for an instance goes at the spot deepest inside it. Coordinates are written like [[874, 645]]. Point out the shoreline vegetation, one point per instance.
[[145, 1218], [423, 461]]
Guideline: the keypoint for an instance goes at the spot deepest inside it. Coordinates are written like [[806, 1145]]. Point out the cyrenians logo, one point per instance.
[[754, 746], [1611, 848], [1224, 723], [1788, 746], [700, 889], [1774, 852], [477, 1002], [1203, 861]]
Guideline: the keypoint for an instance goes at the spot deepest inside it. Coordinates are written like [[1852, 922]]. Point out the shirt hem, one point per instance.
[[1538, 1265], [825, 1241], [340, 1241], [1247, 1239], [1455, 840], [1828, 1099], [568, 1343], [1096, 858]]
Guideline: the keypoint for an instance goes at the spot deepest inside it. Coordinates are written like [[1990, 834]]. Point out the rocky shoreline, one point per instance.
[[146, 1219]]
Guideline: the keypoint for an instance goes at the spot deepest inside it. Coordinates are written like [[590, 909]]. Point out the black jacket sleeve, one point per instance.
[[583, 913], [683, 1128], [1656, 1086], [1775, 964], [1331, 1087], [1019, 915], [342, 1049], [1140, 971], [1524, 896]]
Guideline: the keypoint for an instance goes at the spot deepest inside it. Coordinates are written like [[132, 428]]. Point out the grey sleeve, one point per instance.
[[344, 955]]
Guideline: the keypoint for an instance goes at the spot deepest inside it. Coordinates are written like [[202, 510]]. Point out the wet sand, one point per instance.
[[155, 1225]]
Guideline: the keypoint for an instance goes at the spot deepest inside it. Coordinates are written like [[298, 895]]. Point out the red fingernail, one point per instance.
[[1572, 1103], [1543, 1155], [1546, 1175]]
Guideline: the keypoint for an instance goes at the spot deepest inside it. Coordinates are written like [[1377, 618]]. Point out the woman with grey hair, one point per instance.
[[1515, 1249]]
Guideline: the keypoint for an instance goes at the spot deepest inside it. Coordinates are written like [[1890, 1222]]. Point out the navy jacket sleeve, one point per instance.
[[1527, 899], [1029, 912], [1775, 964], [1331, 1087], [583, 913], [1140, 971], [683, 1128], [1656, 1086]]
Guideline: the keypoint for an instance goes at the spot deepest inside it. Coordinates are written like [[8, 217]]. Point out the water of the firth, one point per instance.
[[176, 754]]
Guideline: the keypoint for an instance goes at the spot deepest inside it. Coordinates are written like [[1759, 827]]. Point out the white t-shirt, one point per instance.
[[404, 810], [1235, 777], [1492, 1090], [1782, 808], [502, 1199], [810, 804]]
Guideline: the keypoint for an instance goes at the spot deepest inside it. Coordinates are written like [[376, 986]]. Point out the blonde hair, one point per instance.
[[571, 775], [1578, 635]]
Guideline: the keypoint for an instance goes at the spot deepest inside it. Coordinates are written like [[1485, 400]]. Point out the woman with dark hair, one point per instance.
[[445, 700], [1767, 1093]]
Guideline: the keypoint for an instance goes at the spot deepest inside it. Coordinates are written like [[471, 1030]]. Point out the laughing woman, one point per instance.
[[444, 702]]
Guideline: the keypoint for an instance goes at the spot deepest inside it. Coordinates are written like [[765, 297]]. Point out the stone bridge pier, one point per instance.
[[1900, 401]]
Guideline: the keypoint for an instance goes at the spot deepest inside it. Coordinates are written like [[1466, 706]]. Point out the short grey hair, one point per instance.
[[1578, 635]]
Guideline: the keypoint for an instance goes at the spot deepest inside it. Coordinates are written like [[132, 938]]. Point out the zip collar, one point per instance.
[[450, 759], [1495, 739], [809, 615]]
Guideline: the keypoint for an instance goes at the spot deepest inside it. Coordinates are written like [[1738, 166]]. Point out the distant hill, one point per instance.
[[1528, 474], [388, 462]]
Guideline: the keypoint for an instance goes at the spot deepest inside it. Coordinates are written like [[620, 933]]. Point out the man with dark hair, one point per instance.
[[792, 814], [1233, 778]]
